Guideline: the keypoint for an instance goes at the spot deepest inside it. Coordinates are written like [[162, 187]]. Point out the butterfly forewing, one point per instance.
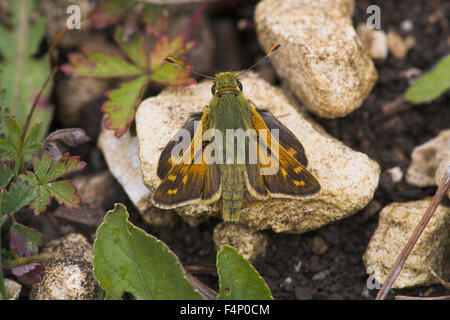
[[188, 181], [291, 179]]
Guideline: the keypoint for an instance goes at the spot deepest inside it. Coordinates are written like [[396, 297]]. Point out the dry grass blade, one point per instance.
[[442, 281], [206, 292], [422, 298]]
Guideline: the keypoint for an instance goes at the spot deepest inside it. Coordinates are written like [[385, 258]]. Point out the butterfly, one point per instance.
[[195, 176]]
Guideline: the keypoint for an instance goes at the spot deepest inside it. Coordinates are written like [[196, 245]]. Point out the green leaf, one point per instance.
[[126, 259], [165, 48], [22, 75], [122, 104], [238, 278], [19, 195], [95, 64], [10, 145], [5, 175], [24, 240], [431, 85], [169, 74], [44, 176], [134, 49]]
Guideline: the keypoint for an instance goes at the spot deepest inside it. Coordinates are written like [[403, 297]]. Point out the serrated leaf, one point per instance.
[[126, 259], [5, 175], [19, 195], [110, 12], [431, 85], [22, 75], [10, 145], [122, 104], [169, 74], [165, 48], [44, 176], [134, 49], [91, 63], [24, 240], [238, 279]]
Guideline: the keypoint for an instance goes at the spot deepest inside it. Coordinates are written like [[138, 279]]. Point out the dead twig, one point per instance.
[[201, 270], [398, 265], [441, 281], [422, 298]]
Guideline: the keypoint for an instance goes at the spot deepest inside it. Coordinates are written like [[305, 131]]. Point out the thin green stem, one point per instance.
[[36, 258], [19, 160]]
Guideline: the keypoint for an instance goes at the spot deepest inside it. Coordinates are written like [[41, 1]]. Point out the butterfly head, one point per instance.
[[226, 82]]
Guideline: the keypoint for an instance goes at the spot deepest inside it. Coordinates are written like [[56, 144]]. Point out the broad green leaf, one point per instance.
[[122, 104], [126, 259], [21, 74], [238, 279], [5, 175], [134, 49], [95, 64], [18, 196], [24, 240], [431, 85], [44, 176]]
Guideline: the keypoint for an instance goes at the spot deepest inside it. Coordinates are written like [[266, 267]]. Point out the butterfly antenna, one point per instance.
[[274, 48], [173, 61]]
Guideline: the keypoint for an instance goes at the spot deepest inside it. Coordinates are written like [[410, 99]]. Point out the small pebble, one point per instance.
[[396, 174], [407, 25], [319, 246]]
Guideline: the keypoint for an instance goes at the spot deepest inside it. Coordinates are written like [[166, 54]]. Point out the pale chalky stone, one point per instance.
[[321, 57]]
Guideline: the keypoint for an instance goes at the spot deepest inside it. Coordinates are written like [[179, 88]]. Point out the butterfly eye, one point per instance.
[[213, 89], [239, 85]]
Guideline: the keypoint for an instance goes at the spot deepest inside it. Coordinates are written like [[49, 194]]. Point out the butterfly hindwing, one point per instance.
[[292, 179], [286, 138]]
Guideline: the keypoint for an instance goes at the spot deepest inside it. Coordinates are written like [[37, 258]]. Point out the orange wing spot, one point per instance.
[[299, 183], [172, 191], [298, 169], [292, 151], [185, 179], [171, 177], [283, 172]]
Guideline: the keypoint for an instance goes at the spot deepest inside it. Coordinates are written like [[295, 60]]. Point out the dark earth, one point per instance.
[[293, 267]]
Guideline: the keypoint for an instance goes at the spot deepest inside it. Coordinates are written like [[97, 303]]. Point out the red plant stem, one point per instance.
[[198, 12], [398, 265]]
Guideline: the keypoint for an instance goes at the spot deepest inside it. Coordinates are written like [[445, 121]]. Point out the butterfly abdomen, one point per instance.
[[233, 183]]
